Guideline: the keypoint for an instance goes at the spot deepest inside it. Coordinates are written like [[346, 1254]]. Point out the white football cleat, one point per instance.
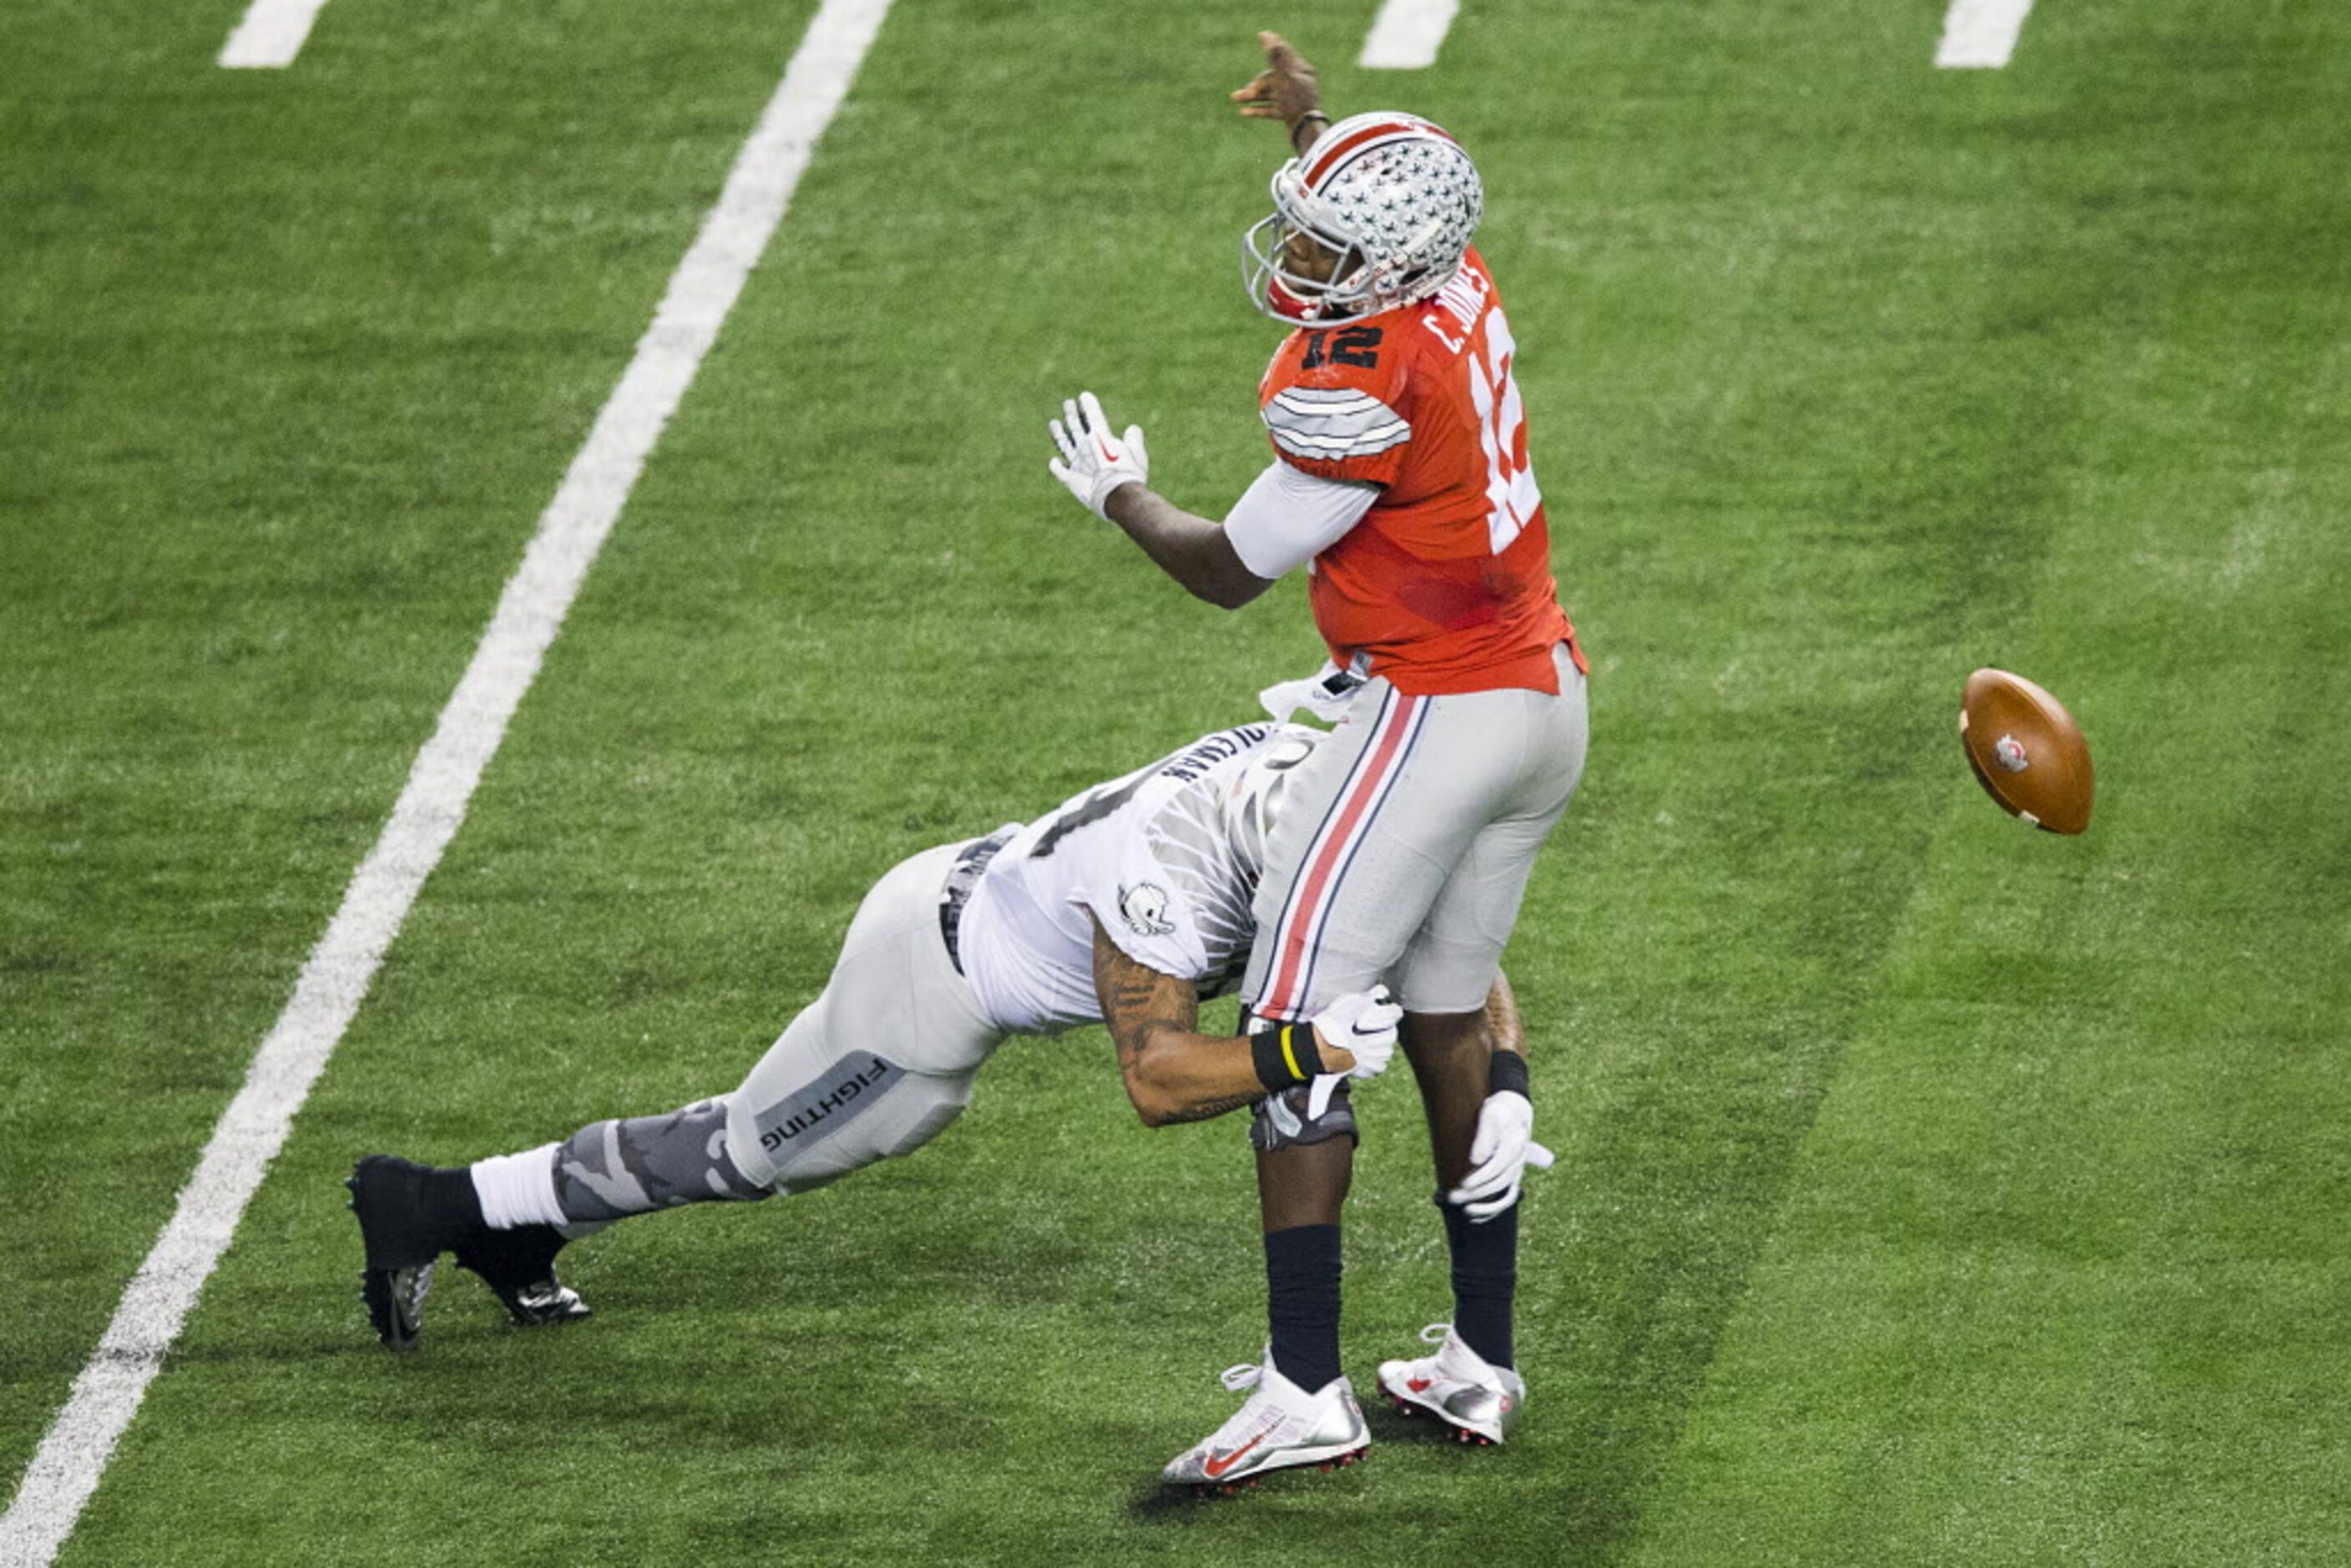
[[1478, 1400], [1279, 1427]]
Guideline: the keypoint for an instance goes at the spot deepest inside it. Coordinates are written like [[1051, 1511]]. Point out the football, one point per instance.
[[2027, 751]]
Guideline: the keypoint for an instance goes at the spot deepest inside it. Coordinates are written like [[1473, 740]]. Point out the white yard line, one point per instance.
[[74, 1453], [1980, 35], [271, 35], [1407, 34]]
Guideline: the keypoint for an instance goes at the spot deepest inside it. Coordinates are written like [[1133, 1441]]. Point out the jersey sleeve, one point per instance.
[[1289, 516], [1147, 915], [1333, 407]]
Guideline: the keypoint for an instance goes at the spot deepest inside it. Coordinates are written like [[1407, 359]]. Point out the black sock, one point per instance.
[[1302, 1280], [1485, 1279], [450, 1204], [512, 1260]]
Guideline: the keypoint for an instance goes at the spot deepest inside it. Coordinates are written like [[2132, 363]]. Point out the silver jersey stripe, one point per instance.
[[1313, 400], [1333, 422], [1339, 409], [1333, 447]]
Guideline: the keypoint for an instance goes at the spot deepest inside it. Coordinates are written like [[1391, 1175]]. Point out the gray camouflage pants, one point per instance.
[[876, 1066]]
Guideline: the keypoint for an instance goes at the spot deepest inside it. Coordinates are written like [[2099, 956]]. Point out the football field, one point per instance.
[[1930, 1191]]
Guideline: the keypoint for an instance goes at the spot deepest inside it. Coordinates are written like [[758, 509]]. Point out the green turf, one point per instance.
[[1930, 1191], [293, 362]]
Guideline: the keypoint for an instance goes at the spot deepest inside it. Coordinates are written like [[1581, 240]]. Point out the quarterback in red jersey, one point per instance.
[[1401, 477], [1444, 583]]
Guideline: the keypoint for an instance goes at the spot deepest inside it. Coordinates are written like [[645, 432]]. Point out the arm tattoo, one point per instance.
[[1214, 1108], [1137, 1000]]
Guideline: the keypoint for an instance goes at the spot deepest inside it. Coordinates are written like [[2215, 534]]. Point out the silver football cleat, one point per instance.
[[1279, 1427], [1480, 1402]]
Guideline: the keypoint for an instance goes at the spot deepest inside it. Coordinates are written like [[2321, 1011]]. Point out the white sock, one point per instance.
[[518, 1189]]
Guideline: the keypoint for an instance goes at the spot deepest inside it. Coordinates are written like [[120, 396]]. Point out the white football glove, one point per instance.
[[1504, 1148], [1093, 462], [1364, 1024]]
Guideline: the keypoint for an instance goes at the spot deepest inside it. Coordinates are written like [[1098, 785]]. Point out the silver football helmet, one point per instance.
[[1254, 795], [1391, 197]]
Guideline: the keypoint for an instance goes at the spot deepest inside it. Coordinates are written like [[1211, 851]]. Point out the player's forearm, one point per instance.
[[1179, 1075], [1171, 1070], [1188, 548], [1173, 1073]]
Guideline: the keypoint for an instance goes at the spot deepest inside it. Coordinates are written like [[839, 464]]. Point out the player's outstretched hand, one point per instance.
[[1498, 1157], [1093, 462], [1363, 1025], [1285, 89]]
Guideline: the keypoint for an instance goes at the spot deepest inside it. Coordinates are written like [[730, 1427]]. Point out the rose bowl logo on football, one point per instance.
[[2009, 752]]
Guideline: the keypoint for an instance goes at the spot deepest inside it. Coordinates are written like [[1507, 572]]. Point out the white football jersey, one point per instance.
[[1166, 858]]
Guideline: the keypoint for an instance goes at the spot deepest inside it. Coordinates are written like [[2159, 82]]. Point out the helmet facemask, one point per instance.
[[1277, 285]]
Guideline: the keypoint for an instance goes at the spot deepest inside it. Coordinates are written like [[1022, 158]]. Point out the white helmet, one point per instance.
[[1393, 197], [1254, 794]]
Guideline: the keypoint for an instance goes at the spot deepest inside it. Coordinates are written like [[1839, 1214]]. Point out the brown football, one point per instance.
[[2027, 751]]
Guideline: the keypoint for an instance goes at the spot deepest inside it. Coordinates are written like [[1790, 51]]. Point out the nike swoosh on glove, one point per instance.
[[1093, 462], [1364, 1024]]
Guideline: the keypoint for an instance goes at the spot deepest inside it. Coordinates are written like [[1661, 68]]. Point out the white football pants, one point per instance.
[[1404, 846], [882, 1061]]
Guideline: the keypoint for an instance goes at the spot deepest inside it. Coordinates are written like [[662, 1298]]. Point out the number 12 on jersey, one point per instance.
[[1511, 487]]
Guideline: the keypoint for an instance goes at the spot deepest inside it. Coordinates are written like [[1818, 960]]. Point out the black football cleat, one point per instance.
[[518, 1266], [400, 1243], [395, 1304]]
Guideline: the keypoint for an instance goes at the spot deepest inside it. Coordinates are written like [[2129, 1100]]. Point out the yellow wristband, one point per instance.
[[1288, 1055]]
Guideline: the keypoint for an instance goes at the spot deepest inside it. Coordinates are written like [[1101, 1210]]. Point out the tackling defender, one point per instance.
[[1128, 904], [1400, 472]]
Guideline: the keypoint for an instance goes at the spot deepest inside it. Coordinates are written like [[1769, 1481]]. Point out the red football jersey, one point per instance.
[[1446, 583]]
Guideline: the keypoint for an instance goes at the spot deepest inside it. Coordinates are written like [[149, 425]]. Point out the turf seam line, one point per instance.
[[64, 1470], [1980, 35], [270, 35], [1407, 35]]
